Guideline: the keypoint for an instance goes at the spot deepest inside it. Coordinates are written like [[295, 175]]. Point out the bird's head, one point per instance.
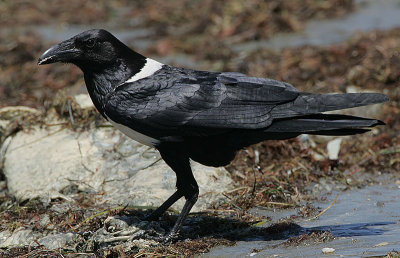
[[89, 50]]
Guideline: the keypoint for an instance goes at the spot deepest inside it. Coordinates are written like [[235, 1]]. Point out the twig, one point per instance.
[[279, 203], [71, 117], [82, 253], [115, 239], [389, 150], [99, 214], [218, 211], [231, 202], [227, 196], [237, 189], [322, 212], [255, 179], [57, 124], [145, 254], [254, 183]]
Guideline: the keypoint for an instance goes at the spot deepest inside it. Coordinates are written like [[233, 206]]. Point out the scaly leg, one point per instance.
[[160, 210], [181, 218], [174, 155]]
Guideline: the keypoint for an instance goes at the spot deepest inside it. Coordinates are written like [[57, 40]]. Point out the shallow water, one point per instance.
[[364, 222], [369, 15]]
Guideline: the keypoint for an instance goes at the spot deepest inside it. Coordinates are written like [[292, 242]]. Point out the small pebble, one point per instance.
[[327, 250]]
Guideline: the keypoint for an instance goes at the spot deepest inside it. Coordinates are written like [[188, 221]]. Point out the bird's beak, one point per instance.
[[62, 52]]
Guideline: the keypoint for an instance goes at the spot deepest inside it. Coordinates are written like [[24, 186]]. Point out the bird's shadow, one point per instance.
[[355, 229], [203, 225]]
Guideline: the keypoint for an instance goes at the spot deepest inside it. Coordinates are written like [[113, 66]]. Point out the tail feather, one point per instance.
[[308, 103], [340, 132], [323, 124]]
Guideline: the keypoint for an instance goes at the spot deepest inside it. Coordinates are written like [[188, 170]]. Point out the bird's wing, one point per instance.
[[202, 101]]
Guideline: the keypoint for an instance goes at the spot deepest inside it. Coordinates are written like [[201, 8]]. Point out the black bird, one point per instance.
[[204, 116]]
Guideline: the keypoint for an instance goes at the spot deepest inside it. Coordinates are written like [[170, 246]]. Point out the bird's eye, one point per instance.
[[90, 43]]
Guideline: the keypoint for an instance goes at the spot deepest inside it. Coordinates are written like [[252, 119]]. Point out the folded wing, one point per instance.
[[214, 103]]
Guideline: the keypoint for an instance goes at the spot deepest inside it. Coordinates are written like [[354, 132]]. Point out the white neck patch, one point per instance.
[[151, 66]]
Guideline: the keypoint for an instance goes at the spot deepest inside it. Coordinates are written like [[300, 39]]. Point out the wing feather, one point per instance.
[[174, 99]]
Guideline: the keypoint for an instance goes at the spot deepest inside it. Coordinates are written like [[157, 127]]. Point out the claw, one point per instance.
[[164, 240], [151, 217], [170, 238]]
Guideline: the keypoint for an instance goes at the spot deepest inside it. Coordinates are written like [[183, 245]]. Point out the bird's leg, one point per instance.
[[160, 210], [182, 216], [175, 156]]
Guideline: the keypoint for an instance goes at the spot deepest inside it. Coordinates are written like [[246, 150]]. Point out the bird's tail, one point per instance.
[[308, 103], [304, 116], [323, 124]]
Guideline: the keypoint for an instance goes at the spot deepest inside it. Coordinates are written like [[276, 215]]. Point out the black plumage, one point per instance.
[[198, 115]]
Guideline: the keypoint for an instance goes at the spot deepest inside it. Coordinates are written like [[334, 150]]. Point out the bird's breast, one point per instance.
[[139, 137]]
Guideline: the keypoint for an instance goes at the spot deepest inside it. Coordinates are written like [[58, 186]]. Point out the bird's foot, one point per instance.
[[167, 239], [151, 217]]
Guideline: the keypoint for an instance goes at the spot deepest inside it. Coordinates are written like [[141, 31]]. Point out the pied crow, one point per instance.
[[204, 116]]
